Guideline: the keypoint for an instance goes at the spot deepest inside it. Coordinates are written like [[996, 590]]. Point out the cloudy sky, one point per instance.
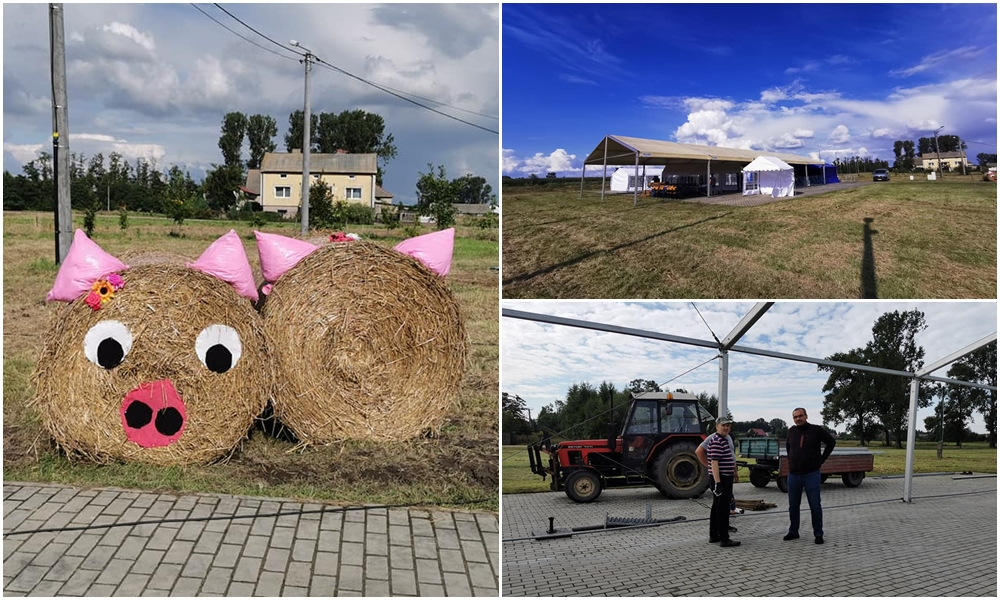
[[820, 80], [156, 80], [539, 361]]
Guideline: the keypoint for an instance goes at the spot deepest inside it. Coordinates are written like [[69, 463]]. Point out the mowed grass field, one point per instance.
[[892, 240], [454, 467], [976, 457]]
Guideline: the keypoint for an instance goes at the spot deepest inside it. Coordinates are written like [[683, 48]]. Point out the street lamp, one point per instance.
[[938, 150], [304, 211]]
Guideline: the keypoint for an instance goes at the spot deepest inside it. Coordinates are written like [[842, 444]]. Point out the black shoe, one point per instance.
[[819, 539], [791, 536], [733, 529], [713, 540], [728, 544]]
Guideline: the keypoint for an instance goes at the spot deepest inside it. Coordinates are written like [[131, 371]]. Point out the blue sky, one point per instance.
[[155, 80], [539, 362], [810, 79]]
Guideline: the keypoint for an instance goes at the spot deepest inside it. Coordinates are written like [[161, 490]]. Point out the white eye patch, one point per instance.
[[218, 347], [107, 344]]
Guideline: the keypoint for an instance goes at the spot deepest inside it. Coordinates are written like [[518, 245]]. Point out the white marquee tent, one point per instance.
[[770, 176], [624, 179]]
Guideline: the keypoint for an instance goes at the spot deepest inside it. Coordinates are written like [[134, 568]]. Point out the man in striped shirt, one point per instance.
[[723, 461]]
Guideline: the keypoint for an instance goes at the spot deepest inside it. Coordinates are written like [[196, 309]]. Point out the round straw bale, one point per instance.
[[141, 258], [366, 343], [158, 319]]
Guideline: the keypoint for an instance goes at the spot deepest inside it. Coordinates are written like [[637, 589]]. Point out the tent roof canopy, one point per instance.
[[621, 150], [767, 163]]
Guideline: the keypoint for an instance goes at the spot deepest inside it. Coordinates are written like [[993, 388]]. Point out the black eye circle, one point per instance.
[[107, 344], [218, 348], [138, 414]]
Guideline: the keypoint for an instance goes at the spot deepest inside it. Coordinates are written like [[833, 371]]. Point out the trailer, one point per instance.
[[771, 459]]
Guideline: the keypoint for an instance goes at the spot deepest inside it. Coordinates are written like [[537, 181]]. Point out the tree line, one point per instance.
[[114, 183]]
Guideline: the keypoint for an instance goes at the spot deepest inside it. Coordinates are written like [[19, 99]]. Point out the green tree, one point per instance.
[[984, 159], [234, 128], [221, 186], [472, 189], [893, 346], [123, 217], [980, 367], [293, 139], [322, 213], [261, 130], [357, 132], [848, 395], [436, 196], [638, 386], [514, 408]]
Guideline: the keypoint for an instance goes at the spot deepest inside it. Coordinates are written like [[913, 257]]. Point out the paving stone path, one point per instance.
[[944, 543], [187, 550]]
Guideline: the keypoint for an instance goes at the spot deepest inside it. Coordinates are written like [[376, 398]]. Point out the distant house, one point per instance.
[[382, 199], [471, 209], [278, 182], [954, 160], [758, 432]]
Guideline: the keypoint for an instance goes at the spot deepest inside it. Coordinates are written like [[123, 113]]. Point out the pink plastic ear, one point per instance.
[[433, 249], [85, 263], [279, 253], [225, 259]]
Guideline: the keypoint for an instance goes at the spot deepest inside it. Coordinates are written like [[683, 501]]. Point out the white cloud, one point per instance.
[[840, 134], [127, 31], [786, 141], [23, 153], [883, 133], [803, 133], [558, 161], [943, 59]]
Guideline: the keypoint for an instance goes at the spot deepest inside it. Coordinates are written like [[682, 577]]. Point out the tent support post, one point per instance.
[[605, 174], [910, 439], [583, 175], [824, 172], [708, 179], [635, 188], [723, 383]]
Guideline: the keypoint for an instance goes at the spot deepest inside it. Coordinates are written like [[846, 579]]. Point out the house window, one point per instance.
[[315, 175], [350, 176], [353, 193], [282, 191], [283, 175]]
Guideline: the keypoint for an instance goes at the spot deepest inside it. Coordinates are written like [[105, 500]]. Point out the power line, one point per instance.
[[221, 24], [385, 89], [471, 112], [322, 62], [282, 46]]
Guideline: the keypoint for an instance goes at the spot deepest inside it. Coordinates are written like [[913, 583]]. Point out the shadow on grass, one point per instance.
[[868, 285], [583, 257]]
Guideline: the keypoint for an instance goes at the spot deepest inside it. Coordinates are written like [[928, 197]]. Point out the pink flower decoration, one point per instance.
[[93, 300], [116, 281]]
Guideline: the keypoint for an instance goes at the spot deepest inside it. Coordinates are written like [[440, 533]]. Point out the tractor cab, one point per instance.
[[655, 416]]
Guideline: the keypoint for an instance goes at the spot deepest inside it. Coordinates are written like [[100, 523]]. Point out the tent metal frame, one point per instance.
[[728, 344]]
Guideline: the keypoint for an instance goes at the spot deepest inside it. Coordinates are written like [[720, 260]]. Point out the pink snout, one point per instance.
[[153, 414]]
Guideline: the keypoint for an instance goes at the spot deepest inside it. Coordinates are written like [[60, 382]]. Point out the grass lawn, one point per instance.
[[457, 465], [976, 457], [900, 239]]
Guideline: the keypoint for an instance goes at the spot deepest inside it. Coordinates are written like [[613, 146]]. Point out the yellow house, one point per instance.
[[351, 177], [954, 161]]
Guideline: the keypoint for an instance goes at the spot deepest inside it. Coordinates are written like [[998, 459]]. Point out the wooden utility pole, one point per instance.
[[306, 139], [60, 134]]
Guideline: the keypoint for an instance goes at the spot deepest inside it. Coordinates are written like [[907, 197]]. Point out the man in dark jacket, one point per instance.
[[804, 462]]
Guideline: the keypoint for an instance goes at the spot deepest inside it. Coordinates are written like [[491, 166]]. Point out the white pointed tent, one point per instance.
[[769, 176], [624, 178]]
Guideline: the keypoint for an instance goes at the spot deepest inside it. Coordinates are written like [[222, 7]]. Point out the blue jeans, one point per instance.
[[811, 483]]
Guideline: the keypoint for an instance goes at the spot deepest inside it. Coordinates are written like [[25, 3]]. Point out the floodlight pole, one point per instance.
[[304, 211], [910, 440]]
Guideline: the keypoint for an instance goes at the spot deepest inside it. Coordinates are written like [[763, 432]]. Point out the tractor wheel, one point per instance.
[[853, 479], [783, 484], [760, 478], [679, 474], [583, 486]]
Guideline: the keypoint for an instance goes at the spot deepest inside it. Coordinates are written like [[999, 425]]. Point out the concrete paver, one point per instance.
[[943, 543], [370, 552]]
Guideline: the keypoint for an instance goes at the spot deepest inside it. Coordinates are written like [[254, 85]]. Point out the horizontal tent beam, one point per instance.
[[653, 335]]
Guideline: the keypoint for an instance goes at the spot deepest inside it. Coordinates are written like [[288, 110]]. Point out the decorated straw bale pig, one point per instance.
[[367, 342], [160, 363]]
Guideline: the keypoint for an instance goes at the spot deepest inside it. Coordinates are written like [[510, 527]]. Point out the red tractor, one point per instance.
[[656, 446]]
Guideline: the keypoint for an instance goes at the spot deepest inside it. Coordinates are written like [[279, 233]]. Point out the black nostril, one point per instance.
[[138, 414], [168, 421]]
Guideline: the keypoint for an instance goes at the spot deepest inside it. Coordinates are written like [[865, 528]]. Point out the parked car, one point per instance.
[[880, 175]]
